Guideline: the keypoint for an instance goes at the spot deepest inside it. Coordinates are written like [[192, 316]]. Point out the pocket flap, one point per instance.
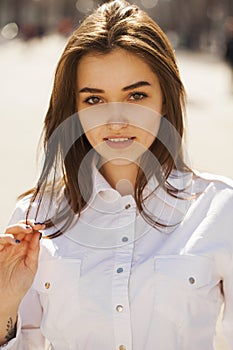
[[190, 270], [57, 274]]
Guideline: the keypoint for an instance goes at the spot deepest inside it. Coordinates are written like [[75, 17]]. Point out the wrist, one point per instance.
[[8, 329], [9, 308]]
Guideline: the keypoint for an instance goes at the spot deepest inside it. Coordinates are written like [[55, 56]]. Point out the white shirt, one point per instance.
[[113, 282]]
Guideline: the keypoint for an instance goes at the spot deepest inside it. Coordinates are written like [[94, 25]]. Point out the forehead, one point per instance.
[[117, 66]]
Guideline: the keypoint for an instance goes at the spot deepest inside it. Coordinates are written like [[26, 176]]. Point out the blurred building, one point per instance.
[[198, 23], [188, 23], [37, 17]]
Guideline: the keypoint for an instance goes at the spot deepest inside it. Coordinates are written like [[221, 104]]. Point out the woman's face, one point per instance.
[[119, 101]]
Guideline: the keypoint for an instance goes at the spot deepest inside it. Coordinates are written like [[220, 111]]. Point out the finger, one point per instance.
[[33, 250], [27, 222], [28, 238], [38, 226], [18, 228], [20, 231], [35, 225], [7, 240]]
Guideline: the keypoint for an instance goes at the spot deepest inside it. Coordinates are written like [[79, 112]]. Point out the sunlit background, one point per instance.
[[33, 34], [192, 24]]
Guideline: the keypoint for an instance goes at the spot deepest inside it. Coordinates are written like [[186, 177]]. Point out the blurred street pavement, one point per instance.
[[209, 85], [27, 70]]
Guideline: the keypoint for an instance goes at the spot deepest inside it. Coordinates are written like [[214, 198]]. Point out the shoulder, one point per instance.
[[216, 193], [203, 180], [22, 206], [20, 210]]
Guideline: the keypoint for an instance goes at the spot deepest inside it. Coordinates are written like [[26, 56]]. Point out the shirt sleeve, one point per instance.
[[227, 320], [225, 264], [28, 334], [20, 210]]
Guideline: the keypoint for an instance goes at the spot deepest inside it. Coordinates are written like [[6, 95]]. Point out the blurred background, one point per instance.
[[33, 34], [192, 24]]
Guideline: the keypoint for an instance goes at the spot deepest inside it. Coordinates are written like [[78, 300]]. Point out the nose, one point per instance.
[[117, 119], [115, 126]]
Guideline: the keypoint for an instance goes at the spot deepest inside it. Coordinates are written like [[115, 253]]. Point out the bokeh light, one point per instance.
[[10, 31], [149, 4], [85, 6]]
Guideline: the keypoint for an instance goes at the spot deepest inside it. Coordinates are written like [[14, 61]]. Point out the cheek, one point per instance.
[[93, 137], [92, 127], [149, 132], [147, 139]]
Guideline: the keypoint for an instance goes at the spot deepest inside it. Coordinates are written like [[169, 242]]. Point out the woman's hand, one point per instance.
[[19, 251]]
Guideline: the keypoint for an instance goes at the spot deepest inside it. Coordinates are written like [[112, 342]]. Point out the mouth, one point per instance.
[[119, 142]]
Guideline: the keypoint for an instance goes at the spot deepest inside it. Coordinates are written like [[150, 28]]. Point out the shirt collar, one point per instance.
[[98, 229], [105, 198], [171, 210], [182, 182]]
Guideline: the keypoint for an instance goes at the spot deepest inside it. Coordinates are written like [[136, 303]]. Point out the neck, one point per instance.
[[121, 177]]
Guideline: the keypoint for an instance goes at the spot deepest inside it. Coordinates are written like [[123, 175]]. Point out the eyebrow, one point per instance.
[[136, 85], [126, 88]]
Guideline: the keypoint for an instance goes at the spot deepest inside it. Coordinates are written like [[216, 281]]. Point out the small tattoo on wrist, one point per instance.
[[11, 329]]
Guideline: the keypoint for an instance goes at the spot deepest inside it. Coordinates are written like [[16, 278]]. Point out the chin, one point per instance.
[[121, 161]]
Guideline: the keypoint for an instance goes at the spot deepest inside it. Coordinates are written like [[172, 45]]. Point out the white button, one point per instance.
[[119, 270], [119, 308], [47, 285], [122, 347], [192, 280]]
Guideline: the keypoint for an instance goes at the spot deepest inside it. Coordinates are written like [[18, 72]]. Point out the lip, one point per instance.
[[123, 141]]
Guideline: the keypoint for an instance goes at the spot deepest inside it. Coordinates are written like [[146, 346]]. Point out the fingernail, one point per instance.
[[17, 241], [40, 236], [28, 226], [38, 223]]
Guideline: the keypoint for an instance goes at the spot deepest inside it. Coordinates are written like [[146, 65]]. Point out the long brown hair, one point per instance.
[[115, 24]]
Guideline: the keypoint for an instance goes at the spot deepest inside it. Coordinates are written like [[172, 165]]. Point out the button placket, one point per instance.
[[127, 220], [121, 274], [120, 298], [128, 202]]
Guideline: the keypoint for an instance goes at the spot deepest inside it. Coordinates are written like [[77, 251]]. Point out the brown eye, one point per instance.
[[92, 100], [137, 96]]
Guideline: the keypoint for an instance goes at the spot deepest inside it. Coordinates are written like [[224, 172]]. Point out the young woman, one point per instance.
[[137, 249]]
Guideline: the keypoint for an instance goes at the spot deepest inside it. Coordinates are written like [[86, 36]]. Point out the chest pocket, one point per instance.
[[57, 283], [186, 287]]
